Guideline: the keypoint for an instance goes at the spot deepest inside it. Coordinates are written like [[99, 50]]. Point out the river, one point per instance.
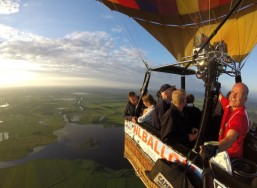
[[94, 142]]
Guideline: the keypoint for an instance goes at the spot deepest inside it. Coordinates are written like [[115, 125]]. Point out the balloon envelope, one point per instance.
[[176, 23]]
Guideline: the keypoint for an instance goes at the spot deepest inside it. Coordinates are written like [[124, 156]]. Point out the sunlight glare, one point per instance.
[[17, 72]]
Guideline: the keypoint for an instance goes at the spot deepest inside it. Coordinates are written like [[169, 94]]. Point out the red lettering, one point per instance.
[[155, 147], [138, 132], [173, 157], [150, 142], [135, 129], [144, 137], [162, 151]]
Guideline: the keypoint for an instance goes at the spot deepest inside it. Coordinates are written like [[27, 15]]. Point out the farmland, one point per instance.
[[29, 117]]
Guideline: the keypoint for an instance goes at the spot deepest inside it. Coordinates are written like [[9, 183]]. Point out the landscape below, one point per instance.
[[29, 118]]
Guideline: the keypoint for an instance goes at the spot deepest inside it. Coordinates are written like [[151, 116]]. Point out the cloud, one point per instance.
[[79, 58], [117, 29], [89, 55], [9, 6], [10, 34]]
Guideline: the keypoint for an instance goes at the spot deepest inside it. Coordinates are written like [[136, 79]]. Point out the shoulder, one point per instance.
[[169, 111], [196, 109], [151, 107], [160, 104], [240, 113], [173, 109], [129, 103]]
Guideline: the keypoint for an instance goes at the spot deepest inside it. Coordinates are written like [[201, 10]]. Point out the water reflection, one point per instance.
[[4, 136], [103, 145]]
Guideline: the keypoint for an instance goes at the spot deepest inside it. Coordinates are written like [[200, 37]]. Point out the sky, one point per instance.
[[83, 43]]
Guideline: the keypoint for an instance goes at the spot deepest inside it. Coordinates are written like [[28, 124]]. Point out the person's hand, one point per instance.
[[209, 151], [134, 119]]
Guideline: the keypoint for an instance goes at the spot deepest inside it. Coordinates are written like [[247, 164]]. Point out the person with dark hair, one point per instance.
[[149, 102], [234, 125], [175, 129], [193, 113], [129, 112], [163, 104]]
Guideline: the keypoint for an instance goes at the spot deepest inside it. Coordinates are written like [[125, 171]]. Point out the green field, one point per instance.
[[67, 174], [33, 115], [31, 118]]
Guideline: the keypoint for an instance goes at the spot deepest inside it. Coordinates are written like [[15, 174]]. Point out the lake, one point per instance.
[[105, 145]]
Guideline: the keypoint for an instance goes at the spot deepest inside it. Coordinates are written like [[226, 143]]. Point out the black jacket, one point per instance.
[[129, 111], [160, 109], [194, 115], [175, 127]]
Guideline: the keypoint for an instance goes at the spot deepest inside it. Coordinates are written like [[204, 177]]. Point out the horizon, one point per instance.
[[152, 91], [85, 44]]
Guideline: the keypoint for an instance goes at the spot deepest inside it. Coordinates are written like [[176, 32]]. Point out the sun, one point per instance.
[[17, 72]]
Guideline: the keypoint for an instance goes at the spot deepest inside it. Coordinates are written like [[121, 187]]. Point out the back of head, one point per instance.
[[190, 98], [178, 96], [149, 98]]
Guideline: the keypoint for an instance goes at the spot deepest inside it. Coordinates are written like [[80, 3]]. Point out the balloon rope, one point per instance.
[[127, 34], [215, 31]]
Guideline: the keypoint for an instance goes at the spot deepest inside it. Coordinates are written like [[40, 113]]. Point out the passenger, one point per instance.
[[149, 102], [234, 124], [163, 104], [175, 129], [193, 113], [129, 112]]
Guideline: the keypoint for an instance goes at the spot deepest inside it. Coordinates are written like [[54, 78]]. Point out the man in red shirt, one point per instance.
[[234, 124]]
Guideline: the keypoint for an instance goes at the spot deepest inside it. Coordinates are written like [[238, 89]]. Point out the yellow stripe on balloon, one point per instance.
[[187, 6]]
